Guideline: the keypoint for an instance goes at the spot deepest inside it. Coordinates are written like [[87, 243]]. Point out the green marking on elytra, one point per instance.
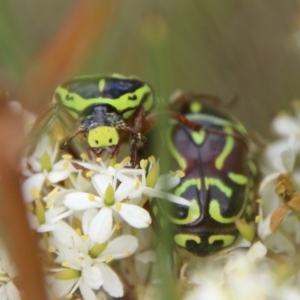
[[180, 160], [198, 137], [238, 178], [226, 238], [181, 239], [219, 184], [195, 107], [193, 214], [186, 184], [235, 125], [215, 213], [229, 144]]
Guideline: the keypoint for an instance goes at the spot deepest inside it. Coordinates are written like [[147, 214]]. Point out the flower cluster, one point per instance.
[[97, 235], [279, 224], [89, 214]]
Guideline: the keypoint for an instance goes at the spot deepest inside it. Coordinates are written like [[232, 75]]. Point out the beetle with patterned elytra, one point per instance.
[[220, 176]]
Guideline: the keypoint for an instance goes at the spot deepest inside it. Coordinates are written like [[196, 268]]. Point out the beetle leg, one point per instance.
[[135, 133], [196, 127], [89, 153], [114, 150], [65, 144], [135, 137]]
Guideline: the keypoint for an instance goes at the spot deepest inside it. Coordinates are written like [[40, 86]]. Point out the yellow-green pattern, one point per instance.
[[125, 95], [219, 178]]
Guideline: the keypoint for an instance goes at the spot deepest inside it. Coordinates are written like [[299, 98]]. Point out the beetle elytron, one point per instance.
[[212, 149], [106, 109]]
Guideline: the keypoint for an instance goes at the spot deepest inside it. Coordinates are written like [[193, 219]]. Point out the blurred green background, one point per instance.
[[227, 48]]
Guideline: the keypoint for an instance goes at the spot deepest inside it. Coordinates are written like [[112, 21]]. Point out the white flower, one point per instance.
[[8, 290], [50, 211], [285, 125], [110, 196], [280, 154], [52, 215], [85, 259], [283, 158], [238, 275], [41, 165]]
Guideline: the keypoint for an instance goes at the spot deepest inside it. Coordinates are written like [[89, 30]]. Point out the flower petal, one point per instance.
[[56, 176], [146, 257], [83, 185], [272, 155], [124, 189], [267, 180], [92, 277], [87, 217], [101, 226], [34, 181], [100, 182], [263, 228], [91, 166], [288, 159], [12, 291], [62, 288], [46, 228], [112, 284], [256, 252], [80, 201], [86, 291], [279, 243], [285, 125], [165, 196], [134, 215], [120, 247], [66, 235], [60, 216], [167, 182]]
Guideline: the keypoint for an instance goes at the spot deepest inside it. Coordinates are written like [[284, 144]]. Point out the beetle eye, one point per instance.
[[97, 142], [69, 97], [110, 140], [218, 243], [133, 97]]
